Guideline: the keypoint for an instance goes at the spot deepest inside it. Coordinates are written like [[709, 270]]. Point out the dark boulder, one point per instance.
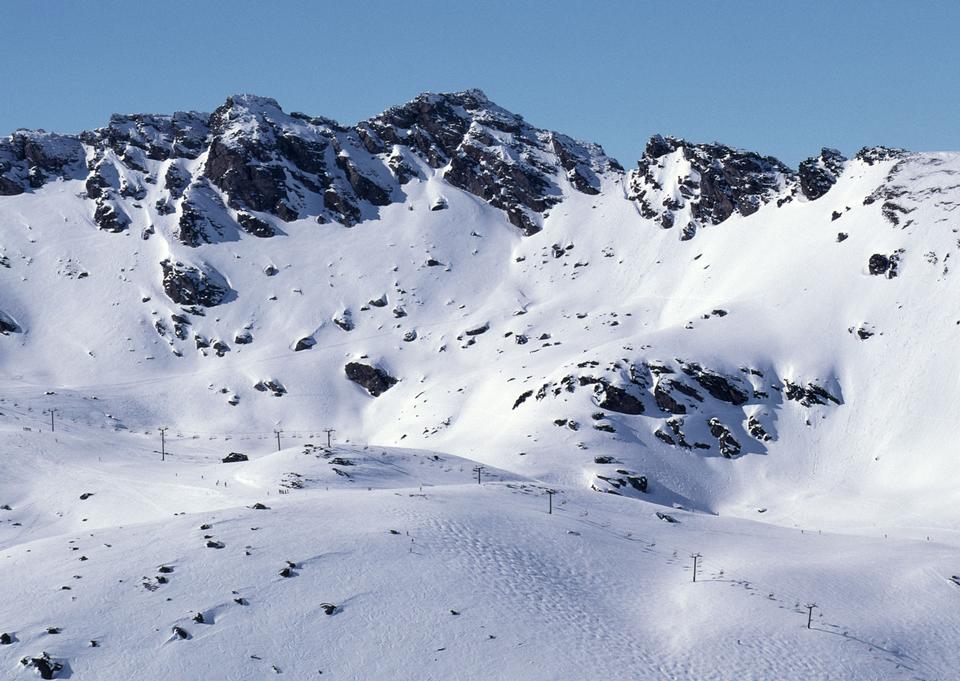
[[270, 385], [305, 343], [191, 285], [255, 226], [617, 399], [46, 667], [729, 447], [7, 324], [110, 217], [234, 457], [374, 380], [878, 264]]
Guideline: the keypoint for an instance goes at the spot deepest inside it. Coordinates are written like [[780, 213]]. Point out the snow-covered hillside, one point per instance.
[[446, 286]]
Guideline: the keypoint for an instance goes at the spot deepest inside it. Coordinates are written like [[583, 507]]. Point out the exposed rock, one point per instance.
[[756, 429], [7, 324], [476, 331], [871, 155], [374, 380], [717, 181], [46, 667], [878, 264], [818, 174], [255, 226], [305, 343], [191, 285], [271, 385], [617, 399], [719, 387], [729, 447], [523, 398], [345, 320], [665, 400], [175, 181], [234, 457], [110, 217], [808, 395], [29, 158]]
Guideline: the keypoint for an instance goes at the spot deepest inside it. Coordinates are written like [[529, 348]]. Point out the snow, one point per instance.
[[859, 499]]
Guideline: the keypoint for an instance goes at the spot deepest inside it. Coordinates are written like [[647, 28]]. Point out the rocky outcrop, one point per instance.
[[374, 380], [809, 394], [729, 447], [720, 387], [251, 224], [491, 152], [28, 159], [192, 285], [7, 324], [110, 217], [617, 399], [819, 173], [691, 185], [872, 155]]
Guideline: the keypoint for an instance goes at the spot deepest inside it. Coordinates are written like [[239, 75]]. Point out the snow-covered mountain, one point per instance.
[[710, 330]]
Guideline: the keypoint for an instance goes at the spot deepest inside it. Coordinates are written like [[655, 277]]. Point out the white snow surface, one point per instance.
[[852, 505]]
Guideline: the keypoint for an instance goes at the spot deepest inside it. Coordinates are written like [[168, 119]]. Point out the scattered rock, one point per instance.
[[305, 343], [45, 666], [374, 380]]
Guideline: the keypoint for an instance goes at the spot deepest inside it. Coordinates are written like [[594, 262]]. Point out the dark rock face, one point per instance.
[[617, 399], [374, 380], [721, 181], [273, 386], [808, 395], [878, 264], [819, 173], [28, 159], [756, 430], [305, 343], [7, 324], [175, 181], [729, 447], [110, 217], [720, 388], [234, 457], [46, 667], [871, 155], [190, 285], [460, 129], [665, 400], [255, 226]]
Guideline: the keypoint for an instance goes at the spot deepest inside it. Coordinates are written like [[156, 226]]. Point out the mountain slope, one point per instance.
[[750, 349]]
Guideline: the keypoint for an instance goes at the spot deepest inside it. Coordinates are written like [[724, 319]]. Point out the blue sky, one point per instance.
[[782, 78]]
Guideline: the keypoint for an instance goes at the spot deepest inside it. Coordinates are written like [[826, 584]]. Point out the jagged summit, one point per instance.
[[249, 160], [295, 166]]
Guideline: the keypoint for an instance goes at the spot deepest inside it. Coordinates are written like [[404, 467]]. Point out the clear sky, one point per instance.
[[780, 77]]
